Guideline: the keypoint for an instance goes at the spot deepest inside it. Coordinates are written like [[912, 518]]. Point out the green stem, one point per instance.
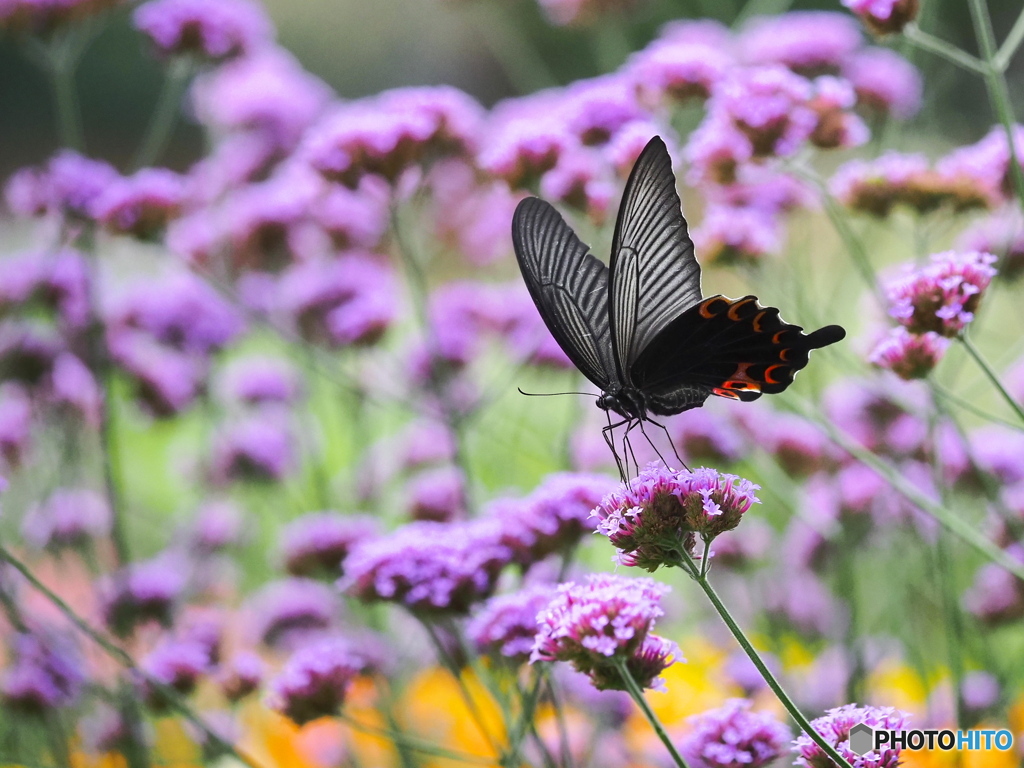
[[940, 47], [854, 246], [563, 732], [687, 564], [175, 699], [413, 743], [165, 114], [61, 62], [638, 697], [954, 630], [1010, 45], [991, 374], [970, 407], [998, 92]]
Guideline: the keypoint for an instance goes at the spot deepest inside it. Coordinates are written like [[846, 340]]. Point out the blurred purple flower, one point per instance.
[[597, 108], [314, 681], [15, 423], [769, 105], [241, 675], [259, 380], [885, 82], [996, 597], [69, 184], [1001, 234], [908, 355], [44, 673], [553, 518], [580, 180], [808, 42], [345, 301], [426, 442], [166, 380], [798, 446], [685, 62], [737, 235], [986, 163], [740, 670], [43, 17], [73, 385], [875, 186], [430, 568], [733, 736], [259, 447], [70, 517], [880, 416], [471, 215], [141, 205], [506, 625], [58, 282], [715, 151], [318, 543], [386, 134], [661, 510], [999, 451], [176, 664], [286, 612], [216, 525], [943, 295], [267, 93], [142, 592], [837, 126], [801, 601], [221, 30], [707, 436], [884, 17], [835, 727], [743, 546], [608, 618], [522, 141], [353, 218], [437, 494], [979, 691], [28, 352]]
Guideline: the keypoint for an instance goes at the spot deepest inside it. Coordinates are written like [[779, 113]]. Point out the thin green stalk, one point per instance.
[[165, 114], [952, 624], [998, 92], [638, 697], [175, 699], [563, 732], [854, 246], [970, 407], [991, 374], [61, 60], [940, 47], [953, 522], [688, 565], [414, 743], [1010, 45]]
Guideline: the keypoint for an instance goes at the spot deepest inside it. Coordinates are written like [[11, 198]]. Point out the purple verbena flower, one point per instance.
[[437, 494], [15, 423], [607, 619], [737, 234], [143, 592], [909, 355], [70, 517], [506, 625], [835, 727], [341, 302], [685, 62], [885, 82], [28, 351], [553, 518], [943, 295], [733, 736], [662, 510], [141, 205], [69, 184], [167, 381], [522, 141], [314, 681], [258, 448], [259, 380], [996, 597], [430, 568], [286, 611], [716, 150], [986, 164], [73, 387], [999, 451], [221, 30], [241, 675], [596, 109], [837, 126], [175, 663], [580, 179], [769, 105], [707, 435], [808, 42], [318, 543], [44, 673], [1001, 234], [884, 17]]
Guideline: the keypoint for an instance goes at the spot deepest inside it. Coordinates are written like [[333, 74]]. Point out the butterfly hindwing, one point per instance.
[[654, 275], [732, 348], [568, 285]]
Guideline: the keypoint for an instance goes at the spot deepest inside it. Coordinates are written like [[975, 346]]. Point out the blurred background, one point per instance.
[[361, 48]]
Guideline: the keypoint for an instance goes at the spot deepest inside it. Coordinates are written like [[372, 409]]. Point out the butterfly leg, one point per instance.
[[608, 434], [651, 443], [671, 442], [627, 447]]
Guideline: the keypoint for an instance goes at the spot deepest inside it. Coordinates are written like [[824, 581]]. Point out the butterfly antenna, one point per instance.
[[554, 394], [671, 442]]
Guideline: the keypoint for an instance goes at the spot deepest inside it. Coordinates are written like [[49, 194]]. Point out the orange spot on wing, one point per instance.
[[725, 393], [757, 321], [706, 308], [735, 307], [768, 374]]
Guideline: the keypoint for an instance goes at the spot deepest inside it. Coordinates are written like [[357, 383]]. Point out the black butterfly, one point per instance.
[[639, 328]]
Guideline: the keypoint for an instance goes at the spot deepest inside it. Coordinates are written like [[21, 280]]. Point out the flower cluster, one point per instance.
[[603, 623], [314, 681], [661, 511], [835, 727], [733, 735], [506, 625]]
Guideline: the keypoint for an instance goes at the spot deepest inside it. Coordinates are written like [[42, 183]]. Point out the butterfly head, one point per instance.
[[628, 402]]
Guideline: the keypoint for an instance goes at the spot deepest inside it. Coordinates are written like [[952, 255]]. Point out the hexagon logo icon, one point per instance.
[[862, 739]]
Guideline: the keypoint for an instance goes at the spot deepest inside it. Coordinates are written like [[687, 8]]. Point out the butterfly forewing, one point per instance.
[[568, 285], [654, 275]]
